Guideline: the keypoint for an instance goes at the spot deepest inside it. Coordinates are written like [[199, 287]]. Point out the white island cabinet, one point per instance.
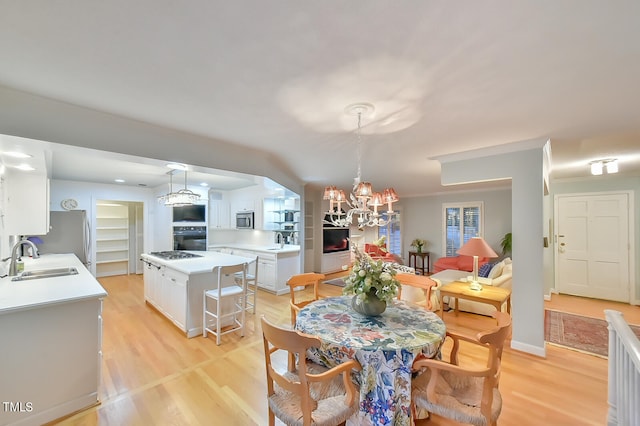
[[176, 287], [51, 330], [275, 265]]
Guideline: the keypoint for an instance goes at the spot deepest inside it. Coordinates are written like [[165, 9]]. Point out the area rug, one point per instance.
[[578, 332], [336, 281]]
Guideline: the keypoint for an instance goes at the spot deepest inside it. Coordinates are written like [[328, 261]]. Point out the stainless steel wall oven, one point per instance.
[[190, 238]]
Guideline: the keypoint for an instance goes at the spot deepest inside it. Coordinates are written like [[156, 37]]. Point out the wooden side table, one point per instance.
[[425, 261], [495, 296]]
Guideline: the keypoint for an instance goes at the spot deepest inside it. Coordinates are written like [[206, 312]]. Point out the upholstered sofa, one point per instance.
[[460, 263], [379, 253], [500, 275]]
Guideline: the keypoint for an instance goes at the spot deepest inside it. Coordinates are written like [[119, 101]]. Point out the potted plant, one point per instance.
[[418, 244], [505, 243]]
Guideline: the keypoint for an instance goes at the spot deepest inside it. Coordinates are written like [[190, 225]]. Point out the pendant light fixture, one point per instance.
[[183, 197], [363, 202]]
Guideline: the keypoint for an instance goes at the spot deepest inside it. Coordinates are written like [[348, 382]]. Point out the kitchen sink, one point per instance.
[[45, 273]]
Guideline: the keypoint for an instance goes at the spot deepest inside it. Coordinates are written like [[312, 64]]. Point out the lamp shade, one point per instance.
[[476, 246]]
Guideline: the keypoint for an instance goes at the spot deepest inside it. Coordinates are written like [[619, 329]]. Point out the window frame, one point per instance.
[[467, 204]]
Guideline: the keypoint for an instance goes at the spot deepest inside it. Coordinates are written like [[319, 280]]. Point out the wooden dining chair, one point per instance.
[[467, 395], [303, 298], [419, 284], [306, 393]]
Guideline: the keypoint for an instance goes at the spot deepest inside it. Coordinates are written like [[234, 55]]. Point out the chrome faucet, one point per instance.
[[13, 266], [280, 239]]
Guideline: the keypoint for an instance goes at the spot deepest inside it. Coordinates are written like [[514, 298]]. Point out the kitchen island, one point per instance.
[[276, 264], [51, 331], [175, 287]]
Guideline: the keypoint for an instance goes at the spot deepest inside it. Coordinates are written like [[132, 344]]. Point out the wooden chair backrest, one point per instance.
[[422, 282], [296, 344], [303, 280], [494, 339]]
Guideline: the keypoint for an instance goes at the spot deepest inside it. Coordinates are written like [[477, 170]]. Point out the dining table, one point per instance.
[[384, 345]]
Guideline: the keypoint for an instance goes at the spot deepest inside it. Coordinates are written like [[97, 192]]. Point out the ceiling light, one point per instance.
[[183, 197], [362, 198], [16, 154], [119, 180], [25, 167], [177, 166], [608, 164], [205, 184]]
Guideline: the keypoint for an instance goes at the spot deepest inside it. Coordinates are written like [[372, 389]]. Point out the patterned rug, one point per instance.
[[336, 281], [578, 332]]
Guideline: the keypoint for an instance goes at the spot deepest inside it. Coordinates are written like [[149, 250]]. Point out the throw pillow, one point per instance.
[[484, 270], [496, 271]]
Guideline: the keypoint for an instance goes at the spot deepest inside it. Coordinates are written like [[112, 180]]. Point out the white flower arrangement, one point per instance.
[[368, 274]]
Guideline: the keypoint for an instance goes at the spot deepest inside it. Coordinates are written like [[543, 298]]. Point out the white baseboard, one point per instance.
[[530, 349]]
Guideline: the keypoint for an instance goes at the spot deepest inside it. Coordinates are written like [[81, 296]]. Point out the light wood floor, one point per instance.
[[153, 375]]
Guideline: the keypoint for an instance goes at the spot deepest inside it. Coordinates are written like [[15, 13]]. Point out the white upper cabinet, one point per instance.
[[247, 199], [219, 211], [26, 203]]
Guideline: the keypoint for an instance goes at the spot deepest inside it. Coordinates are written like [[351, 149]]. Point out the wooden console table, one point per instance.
[[425, 261], [495, 296]]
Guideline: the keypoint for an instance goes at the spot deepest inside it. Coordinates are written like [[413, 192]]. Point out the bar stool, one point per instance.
[[212, 319], [252, 284]]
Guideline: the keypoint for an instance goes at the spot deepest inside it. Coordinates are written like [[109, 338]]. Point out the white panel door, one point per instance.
[[592, 248]]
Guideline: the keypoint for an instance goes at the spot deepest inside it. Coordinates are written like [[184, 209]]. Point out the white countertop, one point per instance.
[[198, 265], [28, 294], [275, 248]]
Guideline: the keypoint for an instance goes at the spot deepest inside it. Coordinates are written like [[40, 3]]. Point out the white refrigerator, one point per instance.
[[70, 232]]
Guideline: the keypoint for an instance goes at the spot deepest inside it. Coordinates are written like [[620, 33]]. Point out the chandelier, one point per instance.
[[362, 204], [183, 197]]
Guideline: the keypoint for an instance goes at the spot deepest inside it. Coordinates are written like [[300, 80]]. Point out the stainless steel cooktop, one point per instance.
[[173, 254]]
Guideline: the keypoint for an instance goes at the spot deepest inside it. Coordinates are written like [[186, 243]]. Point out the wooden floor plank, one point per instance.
[[153, 374]]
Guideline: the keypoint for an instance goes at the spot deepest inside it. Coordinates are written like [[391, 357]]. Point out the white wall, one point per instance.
[[422, 218], [88, 193], [523, 162]]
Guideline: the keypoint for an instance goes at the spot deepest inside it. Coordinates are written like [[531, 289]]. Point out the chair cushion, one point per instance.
[[330, 411], [459, 397], [330, 396]]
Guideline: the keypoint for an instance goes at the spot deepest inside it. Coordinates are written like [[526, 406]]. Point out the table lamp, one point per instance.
[[476, 247]]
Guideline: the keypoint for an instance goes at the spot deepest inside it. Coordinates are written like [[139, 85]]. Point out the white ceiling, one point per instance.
[[444, 77]]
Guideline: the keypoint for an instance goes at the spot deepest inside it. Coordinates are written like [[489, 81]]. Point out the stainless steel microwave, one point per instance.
[[244, 220]]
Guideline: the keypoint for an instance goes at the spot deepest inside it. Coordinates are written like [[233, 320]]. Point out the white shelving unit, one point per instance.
[[112, 240]]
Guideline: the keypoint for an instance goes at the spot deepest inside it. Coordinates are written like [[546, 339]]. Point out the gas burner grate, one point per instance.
[[173, 254]]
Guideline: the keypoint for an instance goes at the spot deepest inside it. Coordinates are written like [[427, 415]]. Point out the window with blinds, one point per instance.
[[392, 232], [461, 222]]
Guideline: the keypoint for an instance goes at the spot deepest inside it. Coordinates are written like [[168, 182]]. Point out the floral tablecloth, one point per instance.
[[385, 346]]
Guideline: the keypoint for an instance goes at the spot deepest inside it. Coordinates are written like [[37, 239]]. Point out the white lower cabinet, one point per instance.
[[174, 284], [50, 360], [166, 290], [333, 262], [267, 272], [274, 267]]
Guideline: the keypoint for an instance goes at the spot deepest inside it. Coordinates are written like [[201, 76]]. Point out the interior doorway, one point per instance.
[[594, 254], [119, 237]]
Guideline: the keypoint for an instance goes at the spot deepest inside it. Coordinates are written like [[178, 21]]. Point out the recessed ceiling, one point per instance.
[[444, 77]]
